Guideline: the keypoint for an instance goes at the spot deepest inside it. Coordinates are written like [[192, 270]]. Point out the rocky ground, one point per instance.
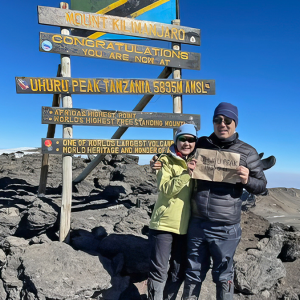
[[107, 257]]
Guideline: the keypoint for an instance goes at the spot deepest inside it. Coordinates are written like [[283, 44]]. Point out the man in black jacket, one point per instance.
[[214, 229]]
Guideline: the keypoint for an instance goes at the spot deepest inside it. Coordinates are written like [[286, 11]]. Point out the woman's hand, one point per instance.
[[191, 166]]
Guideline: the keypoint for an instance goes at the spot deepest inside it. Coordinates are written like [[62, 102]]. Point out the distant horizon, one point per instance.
[[275, 179]]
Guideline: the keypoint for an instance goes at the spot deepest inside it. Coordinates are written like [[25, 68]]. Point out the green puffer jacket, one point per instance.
[[172, 210]]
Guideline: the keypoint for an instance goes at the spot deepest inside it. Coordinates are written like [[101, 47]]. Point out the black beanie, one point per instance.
[[227, 110]]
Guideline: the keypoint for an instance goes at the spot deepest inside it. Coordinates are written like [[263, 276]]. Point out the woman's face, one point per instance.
[[186, 144]]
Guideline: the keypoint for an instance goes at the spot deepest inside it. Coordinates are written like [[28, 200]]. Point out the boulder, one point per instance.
[[2, 259], [105, 218], [116, 190], [136, 222], [291, 241], [145, 201], [56, 271], [13, 285], [259, 263], [13, 244], [9, 222], [3, 294], [41, 216], [84, 188], [140, 178]]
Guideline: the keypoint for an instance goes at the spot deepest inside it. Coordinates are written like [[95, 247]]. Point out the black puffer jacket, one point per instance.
[[220, 202]]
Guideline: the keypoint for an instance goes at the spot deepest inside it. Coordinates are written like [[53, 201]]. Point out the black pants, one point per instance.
[[207, 239], [167, 264]]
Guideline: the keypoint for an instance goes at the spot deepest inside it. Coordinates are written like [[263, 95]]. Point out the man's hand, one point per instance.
[[243, 173], [155, 164]]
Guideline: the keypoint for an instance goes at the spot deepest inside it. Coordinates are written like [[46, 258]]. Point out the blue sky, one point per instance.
[[251, 49]]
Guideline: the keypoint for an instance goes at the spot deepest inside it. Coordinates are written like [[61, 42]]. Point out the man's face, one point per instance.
[[223, 130]]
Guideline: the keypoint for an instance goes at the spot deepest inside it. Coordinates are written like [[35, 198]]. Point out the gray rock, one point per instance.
[[41, 216], [13, 244], [139, 177], [259, 263], [2, 258], [105, 218], [3, 294], [146, 201], [291, 241], [136, 222], [25, 199], [40, 239], [10, 273], [9, 222], [116, 190], [84, 188], [56, 271], [102, 176]]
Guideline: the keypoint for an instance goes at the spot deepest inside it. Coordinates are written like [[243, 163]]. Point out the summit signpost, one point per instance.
[[68, 45]]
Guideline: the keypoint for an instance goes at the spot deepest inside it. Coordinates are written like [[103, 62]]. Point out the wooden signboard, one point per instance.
[[89, 146], [41, 85], [78, 46], [118, 25], [76, 116]]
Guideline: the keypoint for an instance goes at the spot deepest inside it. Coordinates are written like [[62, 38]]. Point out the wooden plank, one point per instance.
[[118, 25], [65, 212], [78, 46], [177, 99], [50, 134], [93, 146], [42, 85], [77, 116], [166, 72]]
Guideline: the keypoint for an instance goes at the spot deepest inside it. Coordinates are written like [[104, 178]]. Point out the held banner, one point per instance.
[[67, 85], [118, 25], [91, 146], [77, 116], [78, 46], [219, 166]]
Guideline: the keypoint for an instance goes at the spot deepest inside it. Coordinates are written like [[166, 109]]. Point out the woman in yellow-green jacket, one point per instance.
[[170, 217]]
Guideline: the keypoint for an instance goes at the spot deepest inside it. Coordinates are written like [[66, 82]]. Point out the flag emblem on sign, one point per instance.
[[23, 84], [163, 11]]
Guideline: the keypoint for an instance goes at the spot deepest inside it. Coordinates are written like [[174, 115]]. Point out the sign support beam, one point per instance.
[[65, 216], [120, 131], [177, 99], [50, 134]]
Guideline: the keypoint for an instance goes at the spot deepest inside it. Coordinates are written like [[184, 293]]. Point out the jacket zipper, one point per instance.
[[209, 197]]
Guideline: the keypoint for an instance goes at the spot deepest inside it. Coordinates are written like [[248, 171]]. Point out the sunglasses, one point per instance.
[[219, 120], [189, 139]]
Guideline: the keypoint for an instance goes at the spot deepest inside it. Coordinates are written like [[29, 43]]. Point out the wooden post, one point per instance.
[[65, 216], [50, 134], [177, 99], [120, 131]]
